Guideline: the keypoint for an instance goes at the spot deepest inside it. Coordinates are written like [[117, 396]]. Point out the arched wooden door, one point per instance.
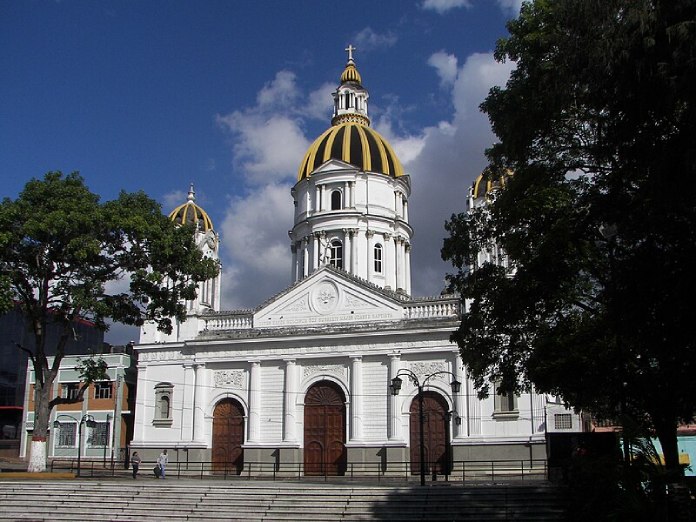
[[228, 437], [434, 433], [325, 430]]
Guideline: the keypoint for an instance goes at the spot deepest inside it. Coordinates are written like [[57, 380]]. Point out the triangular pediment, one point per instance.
[[327, 297], [334, 165]]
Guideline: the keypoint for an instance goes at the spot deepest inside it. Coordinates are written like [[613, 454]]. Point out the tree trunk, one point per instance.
[[42, 412], [667, 434]]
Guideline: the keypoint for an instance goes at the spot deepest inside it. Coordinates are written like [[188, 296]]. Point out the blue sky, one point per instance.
[[154, 95]]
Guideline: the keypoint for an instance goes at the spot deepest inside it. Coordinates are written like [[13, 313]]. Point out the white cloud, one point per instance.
[[451, 157], [445, 65], [281, 92], [442, 6], [173, 199], [255, 239], [368, 40], [510, 7], [320, 102]]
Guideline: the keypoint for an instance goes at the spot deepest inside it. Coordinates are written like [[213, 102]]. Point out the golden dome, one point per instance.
[[191, 214], [353, 143], [351, 74], [488, 182]]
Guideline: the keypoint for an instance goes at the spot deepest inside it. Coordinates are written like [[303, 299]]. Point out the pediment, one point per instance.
[[324, 298], [333, 165]]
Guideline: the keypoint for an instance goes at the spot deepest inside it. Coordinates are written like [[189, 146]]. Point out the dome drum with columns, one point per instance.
[[351, 198]]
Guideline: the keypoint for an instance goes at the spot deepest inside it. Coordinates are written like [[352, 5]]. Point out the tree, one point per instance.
[[61, 253], [597, 122]]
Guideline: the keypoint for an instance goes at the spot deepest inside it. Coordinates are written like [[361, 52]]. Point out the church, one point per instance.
[[344, 371]]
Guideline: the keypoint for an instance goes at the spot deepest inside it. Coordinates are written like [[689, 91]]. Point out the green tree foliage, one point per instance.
[[598, 124], [64, 255]]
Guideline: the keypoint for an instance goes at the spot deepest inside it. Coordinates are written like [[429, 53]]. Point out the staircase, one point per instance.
[[122, 500]]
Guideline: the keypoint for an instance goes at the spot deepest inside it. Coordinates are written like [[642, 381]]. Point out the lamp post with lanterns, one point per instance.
[[86, 419], [395, 388]]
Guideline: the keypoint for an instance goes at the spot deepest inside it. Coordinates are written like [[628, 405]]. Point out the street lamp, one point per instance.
[[86, 419], [395, 388]]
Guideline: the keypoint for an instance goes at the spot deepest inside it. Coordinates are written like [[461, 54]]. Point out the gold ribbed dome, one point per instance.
[[351, 74], [353, 143], [191, 214], [487, 182]]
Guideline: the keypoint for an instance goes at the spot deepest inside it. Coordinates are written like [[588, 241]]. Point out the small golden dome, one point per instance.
[[191, 214], [353, 143], [488, 182], [351, 74]]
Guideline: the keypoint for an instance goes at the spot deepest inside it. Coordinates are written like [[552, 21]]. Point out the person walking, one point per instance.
[[135, 463], [163, 460]]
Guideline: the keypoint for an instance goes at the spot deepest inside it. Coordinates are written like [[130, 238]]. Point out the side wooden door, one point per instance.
[[228, 437]]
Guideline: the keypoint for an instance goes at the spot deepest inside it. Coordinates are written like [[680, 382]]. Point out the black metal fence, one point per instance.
[[463, 471]]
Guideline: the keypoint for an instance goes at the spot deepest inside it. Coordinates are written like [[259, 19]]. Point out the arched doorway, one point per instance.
[[228, 437], [435, 438], [325, 430]]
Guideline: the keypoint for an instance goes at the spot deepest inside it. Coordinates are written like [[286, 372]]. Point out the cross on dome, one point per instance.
[[350, 50]]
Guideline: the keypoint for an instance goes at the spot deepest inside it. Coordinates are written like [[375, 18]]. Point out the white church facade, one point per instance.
[[304, 382]]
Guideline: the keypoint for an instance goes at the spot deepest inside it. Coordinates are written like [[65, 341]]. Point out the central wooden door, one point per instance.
[[434, 433], [228, 437], [325, 430]]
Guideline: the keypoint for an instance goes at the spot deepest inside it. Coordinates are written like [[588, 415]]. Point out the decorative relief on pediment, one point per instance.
[[423, 369], [325, 297], [335, 369], [229, 378], [299, 305], [356, 303]]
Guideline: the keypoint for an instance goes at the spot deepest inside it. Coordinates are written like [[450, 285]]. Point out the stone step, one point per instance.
[[171, 501]]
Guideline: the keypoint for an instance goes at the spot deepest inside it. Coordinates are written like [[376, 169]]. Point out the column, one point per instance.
[[352, 194], [315, 251], [407, 268], [356, 391], [254, 401], [144, 396], [353, 250], [305, 257], [295, 266], [347, 258], [317, 198], [459, 399], [199, 399], [394, 425], [346, 194], [368, 255], [399, 262], [390, 265], [290, 400], [187, 406]]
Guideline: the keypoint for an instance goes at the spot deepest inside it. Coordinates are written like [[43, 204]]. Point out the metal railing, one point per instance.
[[461, 471]]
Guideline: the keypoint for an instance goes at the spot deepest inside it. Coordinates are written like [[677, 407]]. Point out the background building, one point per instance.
[[108, 403], [14, 332]]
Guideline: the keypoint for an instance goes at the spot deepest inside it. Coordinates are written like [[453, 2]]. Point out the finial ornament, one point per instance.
[[192, 194], [350, 50]]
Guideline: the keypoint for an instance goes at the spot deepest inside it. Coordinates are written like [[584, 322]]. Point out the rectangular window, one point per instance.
[[99, 435], [563, 421], [505, 403], [70, 390], [378, 259], [103, 390], [67, 434]]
